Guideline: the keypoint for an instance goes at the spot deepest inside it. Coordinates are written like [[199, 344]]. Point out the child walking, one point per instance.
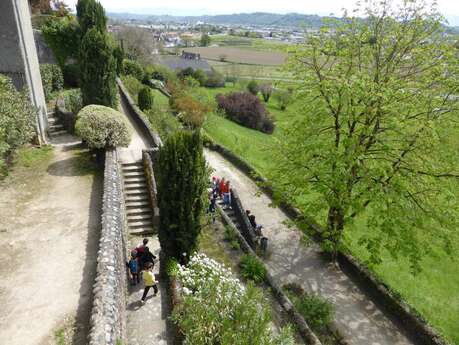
[[149, 280], [134, 268]]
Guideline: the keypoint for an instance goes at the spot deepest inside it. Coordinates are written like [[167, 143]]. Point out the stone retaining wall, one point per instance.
[[108, 315], [404, 315], [151, 182], [139, 116]]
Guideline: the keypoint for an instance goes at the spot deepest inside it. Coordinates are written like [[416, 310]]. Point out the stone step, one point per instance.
[[135, 186], [130, 168], [142, 197], [133, 174], [135, 204], [142, 231], [132, 163], [140, 224], [132, 192], [135, 180], [139, 217], [52, 120], [138, 210], [56, 128], [57, 133]]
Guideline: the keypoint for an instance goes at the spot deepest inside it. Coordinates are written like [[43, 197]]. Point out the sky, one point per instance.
[[449, 8]]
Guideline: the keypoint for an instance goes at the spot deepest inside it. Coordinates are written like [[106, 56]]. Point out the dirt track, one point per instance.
[[49, 226]]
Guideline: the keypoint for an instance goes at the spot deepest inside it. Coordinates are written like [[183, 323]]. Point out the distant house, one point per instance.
[[186, 60]]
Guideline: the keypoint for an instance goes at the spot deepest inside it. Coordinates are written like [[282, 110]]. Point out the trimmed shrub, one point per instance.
[[145, 99], [252, 268], [283, 98], [182, 182], [253, 87], [71, 74], [215, 79], [131, 67], [247, 110], [17, 119], [51, 78], [98, 70], [102, 127]]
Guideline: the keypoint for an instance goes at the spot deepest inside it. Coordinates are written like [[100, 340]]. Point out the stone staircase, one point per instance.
[[55, 129], [139, 214]]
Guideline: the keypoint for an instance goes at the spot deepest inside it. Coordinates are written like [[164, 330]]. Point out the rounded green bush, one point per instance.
[[145, 99], [102, 127]]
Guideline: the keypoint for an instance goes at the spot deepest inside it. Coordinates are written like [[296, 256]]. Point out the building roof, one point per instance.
[[176, 63]]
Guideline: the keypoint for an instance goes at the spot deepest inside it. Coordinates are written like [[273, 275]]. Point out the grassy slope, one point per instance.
[[434, 292]]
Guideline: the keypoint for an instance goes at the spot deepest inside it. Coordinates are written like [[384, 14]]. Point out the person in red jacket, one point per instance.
[[227, 194], [221, 187]]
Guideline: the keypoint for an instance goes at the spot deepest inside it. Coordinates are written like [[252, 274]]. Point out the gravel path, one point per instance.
[[357, 318], [50, 224]]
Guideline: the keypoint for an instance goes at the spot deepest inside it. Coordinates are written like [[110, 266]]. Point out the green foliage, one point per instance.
[[163, 73], [172, 267], [132, 84], [97, 70], [17, 119], [145, 98], [266, 90], [91, 14], [71, 74], [205, 40], [252, 268], [51, 78], [317, 311], [102, 127], [182, 181], [215, 79], [230, 315], [283, 98], [62, 34], [118, 53], [253, 87], [200, 76], [372, 141], [131, 67], [73, 101]]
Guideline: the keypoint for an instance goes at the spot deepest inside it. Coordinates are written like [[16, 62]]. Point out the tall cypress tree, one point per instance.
[[182, 179], [97, 69], [91, 14]]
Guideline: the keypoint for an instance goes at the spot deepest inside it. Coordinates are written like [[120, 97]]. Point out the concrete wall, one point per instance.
[[18, 55]]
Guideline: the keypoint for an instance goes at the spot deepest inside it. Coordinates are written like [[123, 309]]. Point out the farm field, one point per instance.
[[248, 42], [434, 292], [241, 55], [249, 71]]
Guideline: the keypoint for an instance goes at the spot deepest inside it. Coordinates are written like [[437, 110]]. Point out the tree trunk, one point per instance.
[[335, 226]]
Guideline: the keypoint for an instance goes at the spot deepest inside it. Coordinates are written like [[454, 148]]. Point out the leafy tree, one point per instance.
[[131, 67], [205, 40], [190, 111], [375, 143], [283, 98], [97, 69], [200, 76], [215, 79], [137, 43], [145, 99], [182, 181], [118, 53], [266, 91], [91, 14], [63, 37], [253, 87]]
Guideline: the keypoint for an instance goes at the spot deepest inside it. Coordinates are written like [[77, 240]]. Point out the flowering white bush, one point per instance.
[[217, 309]]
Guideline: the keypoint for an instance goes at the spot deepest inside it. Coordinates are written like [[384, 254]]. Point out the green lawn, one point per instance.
[[434, 292]]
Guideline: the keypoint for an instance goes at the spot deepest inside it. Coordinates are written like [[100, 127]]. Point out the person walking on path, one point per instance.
[[221, 187], [141, 247], [149, 280], [134, 268], [227, 195], [147, 258]]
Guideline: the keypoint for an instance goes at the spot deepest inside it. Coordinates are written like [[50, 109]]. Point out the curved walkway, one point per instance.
[[357, 318]]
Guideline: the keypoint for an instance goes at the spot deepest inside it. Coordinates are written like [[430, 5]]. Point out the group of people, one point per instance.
[[141, 264], [220, 188]]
